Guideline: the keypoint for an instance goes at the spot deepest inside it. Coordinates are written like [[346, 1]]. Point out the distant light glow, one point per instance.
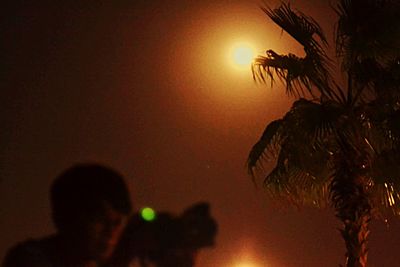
[[245, 256], [245, 264], [148, 214]]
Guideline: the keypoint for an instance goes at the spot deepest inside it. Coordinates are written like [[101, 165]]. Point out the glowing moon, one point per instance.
[[242, 55]]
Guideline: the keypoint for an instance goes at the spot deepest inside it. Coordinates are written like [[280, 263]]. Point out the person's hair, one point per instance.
[[82, 190]]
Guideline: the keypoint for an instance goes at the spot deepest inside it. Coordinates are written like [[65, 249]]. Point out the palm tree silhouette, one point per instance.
[[338, 144]]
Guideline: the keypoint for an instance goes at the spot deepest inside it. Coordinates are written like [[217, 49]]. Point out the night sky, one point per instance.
[[146, 87]]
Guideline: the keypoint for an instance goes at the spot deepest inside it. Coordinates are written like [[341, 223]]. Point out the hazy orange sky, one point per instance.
[[146, 87]]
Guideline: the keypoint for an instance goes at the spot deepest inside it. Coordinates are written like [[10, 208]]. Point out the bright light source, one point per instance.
[[148, 214], [242, 55]]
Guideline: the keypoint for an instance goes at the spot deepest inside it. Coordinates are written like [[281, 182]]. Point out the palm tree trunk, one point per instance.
[[349, 194], [355, 234]]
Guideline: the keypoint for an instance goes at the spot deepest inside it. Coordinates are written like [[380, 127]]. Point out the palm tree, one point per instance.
[[339, 143]]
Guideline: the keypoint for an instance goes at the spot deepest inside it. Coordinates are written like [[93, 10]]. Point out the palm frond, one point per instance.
[[381, 125], [393, 127], [301, 27], [267, 143], [297, 183], [386, 168], [306, 127], [288, 68], [301, 141], [373, 79], [386, 199], [385, 174], [359, 33], [387, 81], [298, 73], [313, 121]]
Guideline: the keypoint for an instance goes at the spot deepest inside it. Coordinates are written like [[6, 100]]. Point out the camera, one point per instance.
[[168, 240]]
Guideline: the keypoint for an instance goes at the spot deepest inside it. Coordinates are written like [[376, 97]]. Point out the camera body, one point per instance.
[[169, 240]]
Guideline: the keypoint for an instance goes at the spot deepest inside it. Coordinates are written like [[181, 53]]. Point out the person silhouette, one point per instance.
[[90, 206]]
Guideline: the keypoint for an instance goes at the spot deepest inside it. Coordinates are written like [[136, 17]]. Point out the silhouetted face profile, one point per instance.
[[91, 205], [98, 234]]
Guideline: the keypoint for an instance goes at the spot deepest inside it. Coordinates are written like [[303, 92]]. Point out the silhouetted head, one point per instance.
[[90, 204]]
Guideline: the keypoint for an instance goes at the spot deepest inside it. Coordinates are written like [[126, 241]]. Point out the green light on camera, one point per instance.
[[148, 214]]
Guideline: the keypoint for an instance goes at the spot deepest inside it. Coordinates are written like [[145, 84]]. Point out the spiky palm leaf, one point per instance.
[[385, 174], [310, 72], [367, 29], [299, 26], [301, 142], [373, 79]]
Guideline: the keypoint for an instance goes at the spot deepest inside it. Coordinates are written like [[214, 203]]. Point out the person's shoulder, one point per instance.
[[30, 253]]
